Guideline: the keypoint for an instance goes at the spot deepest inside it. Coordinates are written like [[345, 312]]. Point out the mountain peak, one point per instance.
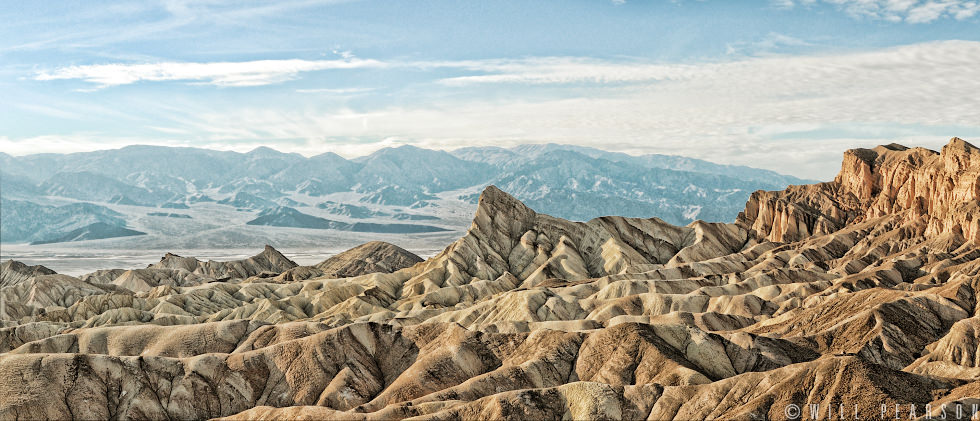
[[493, 200], [959, 155], [13, 272], [275, 257], [370, 257], [264, 151], [500, 220], [893, 147], [269, 260], [271, 251], [175, 261], [957, 143], [406, 147], [329, 157], [402, 152]]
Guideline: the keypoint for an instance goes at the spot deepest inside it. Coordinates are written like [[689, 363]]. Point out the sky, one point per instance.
[[786, 85]]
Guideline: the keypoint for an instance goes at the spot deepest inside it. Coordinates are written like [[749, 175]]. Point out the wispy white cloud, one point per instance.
[[772, 43], [248, 73], [49, 111], [911, 11], [776, 111], [81, 27], [266, 72], [563, 70], [336, 91], [929, 64]]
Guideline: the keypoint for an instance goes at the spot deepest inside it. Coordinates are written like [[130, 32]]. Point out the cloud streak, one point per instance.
[[247, 73], [267, 72], [910, 11], [914, 61]]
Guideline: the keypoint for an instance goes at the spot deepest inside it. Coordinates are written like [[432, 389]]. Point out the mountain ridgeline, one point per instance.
[[850, 296], [63, 197]]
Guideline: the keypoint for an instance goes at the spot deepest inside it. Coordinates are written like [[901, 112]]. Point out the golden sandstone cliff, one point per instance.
[[934, 191], [854, 294]]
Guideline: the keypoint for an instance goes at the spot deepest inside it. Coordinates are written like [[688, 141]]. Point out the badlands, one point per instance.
[[857, 293]]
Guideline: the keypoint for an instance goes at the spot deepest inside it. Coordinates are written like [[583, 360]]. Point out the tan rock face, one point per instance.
[[940, 189], [13, 272], [269, 261], [859, 292], [372, 257]]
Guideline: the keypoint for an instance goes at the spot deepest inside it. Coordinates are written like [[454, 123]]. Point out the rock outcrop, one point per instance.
[[372, 257], [848, 295], [269, 261], [367, 258], [937, 190], [13, 272]]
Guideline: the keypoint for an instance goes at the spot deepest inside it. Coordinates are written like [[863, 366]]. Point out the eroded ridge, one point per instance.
[[859, 292]]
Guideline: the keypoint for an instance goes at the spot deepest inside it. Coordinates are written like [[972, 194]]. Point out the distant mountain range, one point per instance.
[[104, 194]]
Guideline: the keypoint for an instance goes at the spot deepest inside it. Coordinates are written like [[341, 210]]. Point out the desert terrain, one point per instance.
[[854, 293]]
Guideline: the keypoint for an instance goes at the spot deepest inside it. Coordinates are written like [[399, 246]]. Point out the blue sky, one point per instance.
[[786, 85]]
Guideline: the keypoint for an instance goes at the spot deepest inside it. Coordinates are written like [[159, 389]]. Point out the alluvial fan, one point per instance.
[[860, 293]]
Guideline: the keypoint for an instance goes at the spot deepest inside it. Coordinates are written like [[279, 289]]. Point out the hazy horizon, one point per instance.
[[354, 157], [938, 145], [785, 85]]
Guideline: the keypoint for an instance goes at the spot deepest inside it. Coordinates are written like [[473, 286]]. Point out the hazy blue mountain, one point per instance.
[[363, 212], [283, 216], [508, 157], [596, 187], [26, 167], [418, 169], [16, 185], [191, 164], [285, 201], [348, 210], [413, 217], [245, 200], [224, 188], [162, 185], [394, 228], [319, 175], [24, 221], [737, 171], [170, 215], [255, 187], [99, 188], [288, 217], [315, 187], [199, 198], [94, 231], [492, 155], [580, 183], [397, 195]]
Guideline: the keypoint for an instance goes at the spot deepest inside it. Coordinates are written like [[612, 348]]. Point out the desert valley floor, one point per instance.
[[855, 293]]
